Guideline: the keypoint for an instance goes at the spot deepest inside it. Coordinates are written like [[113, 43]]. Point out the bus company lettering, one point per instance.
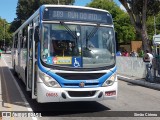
[[52, 94]]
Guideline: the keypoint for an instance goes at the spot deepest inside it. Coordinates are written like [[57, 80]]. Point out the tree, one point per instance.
[[122, 23], [4, 33], [153, 25], [157, 21], [139, 11], [25, 8]]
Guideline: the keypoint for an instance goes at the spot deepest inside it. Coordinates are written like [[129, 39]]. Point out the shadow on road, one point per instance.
[[70, 109], [131, 84], [10, 93]]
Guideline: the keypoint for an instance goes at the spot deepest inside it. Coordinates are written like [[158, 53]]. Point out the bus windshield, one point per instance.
[[85, 46]]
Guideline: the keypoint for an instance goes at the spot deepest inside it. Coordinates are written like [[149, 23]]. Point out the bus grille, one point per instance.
[[77, 84], [81, 76], [81, 93]]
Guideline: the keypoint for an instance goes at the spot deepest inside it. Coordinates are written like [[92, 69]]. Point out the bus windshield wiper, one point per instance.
[[94, 30], [68, 29]]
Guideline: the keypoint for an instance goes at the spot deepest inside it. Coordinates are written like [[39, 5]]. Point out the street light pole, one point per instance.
[[4, 45], [155, 25], [4, 34]]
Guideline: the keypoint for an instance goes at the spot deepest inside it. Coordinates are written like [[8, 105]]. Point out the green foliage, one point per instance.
[[4, 33], [122, 23], [141, 14], [153, 6], [150, 26], [158, 23]]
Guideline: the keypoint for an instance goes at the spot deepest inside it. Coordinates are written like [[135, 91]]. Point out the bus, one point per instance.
[[156, 53], [66, 53]]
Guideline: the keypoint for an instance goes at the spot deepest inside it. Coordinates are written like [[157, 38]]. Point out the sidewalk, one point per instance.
[[139, 81]]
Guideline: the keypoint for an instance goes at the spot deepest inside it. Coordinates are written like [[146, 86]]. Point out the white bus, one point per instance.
[[67, 53], [156, 52]]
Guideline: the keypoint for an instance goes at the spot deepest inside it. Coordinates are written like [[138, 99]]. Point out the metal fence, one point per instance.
[[131, 66]]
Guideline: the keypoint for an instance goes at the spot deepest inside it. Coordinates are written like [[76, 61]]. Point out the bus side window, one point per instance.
[[16, 41], [25, 37], [30, 42], [22, 40]]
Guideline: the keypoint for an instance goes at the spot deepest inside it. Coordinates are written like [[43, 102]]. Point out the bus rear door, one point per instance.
[[19, 54]]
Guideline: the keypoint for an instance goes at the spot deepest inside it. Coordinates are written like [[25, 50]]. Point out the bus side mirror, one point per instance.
[[36, 34]]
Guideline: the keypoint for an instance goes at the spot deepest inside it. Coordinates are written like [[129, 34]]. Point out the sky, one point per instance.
[[8, 8]]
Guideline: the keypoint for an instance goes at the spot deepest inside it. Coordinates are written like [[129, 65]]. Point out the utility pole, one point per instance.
[[4, 35], [58, 2], [155, 25], [4, 44]]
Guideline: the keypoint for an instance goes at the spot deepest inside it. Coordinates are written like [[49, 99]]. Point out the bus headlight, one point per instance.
[[48, 80], [109, 81]]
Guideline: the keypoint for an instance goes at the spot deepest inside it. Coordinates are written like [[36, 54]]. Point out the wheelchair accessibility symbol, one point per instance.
[[76, 62]]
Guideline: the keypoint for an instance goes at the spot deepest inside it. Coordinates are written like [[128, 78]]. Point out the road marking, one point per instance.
[[123, 76], [19, 89]]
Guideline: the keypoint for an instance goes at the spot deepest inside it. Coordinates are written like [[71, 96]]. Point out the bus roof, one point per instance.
[[73, 6], [58, 6]]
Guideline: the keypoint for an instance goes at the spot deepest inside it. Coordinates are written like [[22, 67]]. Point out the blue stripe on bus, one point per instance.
[[75, 83]]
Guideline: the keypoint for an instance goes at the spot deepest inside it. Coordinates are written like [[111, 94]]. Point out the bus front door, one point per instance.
[[32, 61], [29, 59]]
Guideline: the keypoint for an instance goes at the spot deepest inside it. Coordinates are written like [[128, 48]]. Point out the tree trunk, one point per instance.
[[144, 35], [145, 41], [139, 23]]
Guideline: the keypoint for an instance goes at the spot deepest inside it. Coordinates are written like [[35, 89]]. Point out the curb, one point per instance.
[[140, 82]]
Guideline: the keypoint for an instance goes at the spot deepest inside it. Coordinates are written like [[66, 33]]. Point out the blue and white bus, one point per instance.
[[67, 53]]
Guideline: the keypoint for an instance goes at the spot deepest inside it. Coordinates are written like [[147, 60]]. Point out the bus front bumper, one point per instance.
[[48, 94]]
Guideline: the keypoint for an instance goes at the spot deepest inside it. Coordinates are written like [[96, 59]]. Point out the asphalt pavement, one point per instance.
[[13, 104], [140, 81]]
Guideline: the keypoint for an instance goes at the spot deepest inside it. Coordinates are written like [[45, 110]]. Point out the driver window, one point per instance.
[[46, 42], [53, 39]]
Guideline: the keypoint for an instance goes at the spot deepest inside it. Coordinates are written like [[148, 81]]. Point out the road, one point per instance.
[[130, 98]]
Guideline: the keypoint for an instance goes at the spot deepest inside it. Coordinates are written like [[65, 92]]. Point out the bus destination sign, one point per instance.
[[74, 14]]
